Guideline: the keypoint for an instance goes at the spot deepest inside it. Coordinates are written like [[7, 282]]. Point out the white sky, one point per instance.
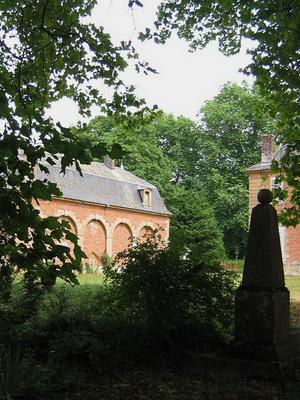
[[185, 80]]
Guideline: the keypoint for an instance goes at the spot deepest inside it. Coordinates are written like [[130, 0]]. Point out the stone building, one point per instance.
[[261, 177], [106, 207]]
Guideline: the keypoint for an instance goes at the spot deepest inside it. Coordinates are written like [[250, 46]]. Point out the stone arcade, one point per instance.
[[105, 207]]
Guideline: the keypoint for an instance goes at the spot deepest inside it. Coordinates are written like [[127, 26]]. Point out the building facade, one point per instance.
[[261, 177], [106, 207]]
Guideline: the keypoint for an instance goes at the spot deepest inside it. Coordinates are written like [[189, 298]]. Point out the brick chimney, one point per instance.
[[109, 162], [267, 148]]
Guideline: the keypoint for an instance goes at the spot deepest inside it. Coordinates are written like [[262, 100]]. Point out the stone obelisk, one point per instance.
[[262, 307]]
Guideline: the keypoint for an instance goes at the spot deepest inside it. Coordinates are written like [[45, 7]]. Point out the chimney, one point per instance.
[[267, 148], [109, 162]]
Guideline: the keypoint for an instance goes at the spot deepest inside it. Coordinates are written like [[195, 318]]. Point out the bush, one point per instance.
[[49, 276], [155, 304], [174, 297], [80, 326], [7, 276], [23, 302], [21, 377]]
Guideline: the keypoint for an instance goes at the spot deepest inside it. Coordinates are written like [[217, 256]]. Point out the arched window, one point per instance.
[[94, 242], [122, 238]]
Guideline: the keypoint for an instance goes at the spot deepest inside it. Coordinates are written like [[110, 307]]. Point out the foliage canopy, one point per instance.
[[49, 50], [164, 151], [274, 27], [230, 128], [197, 167]]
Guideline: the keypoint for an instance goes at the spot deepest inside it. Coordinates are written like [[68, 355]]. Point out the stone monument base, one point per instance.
[[262, 318]]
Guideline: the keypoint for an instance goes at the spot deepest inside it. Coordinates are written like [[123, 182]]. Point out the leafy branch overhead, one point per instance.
[[50, 50]]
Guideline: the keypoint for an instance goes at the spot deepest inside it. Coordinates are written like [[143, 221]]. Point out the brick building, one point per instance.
[[260, 176], [105, 207]]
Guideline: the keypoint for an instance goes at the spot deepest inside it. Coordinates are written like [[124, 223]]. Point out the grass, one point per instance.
[[90, 279], [88, 286], [85, 280], [291, 282], [93, 279]]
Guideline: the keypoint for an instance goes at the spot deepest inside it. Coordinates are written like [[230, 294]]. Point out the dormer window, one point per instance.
[[146, 197]]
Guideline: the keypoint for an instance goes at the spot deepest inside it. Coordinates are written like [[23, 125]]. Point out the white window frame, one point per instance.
[[146, 196]]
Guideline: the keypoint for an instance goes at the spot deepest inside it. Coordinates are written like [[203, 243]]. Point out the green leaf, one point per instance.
[[116, 151], [99, 150], [43, 168], [4, 108]]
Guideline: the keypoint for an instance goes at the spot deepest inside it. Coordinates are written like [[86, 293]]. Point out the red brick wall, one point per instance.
[[293, 244], [260, 180], [102, 228]]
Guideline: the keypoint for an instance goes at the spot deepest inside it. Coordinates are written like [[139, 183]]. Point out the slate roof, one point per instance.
[[103, 185], [264, 166]]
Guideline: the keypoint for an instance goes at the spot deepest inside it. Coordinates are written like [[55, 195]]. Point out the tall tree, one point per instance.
[[194, 223], [274, 27], [141, 153], [164, 150], [48, 50], [216, 153], [231, 124], [179, 140], [211, 157]]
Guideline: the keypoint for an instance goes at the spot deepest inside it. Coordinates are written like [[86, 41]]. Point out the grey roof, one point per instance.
[[103, 185], [264, 166]]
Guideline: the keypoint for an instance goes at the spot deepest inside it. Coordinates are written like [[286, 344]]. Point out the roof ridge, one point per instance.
[[71, 168]]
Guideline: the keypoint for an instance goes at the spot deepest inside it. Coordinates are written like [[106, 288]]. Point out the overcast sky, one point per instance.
[[185, 80]]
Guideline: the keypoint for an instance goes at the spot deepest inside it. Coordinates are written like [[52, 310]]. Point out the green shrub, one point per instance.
[[21, 377], [21, 306], [7, 276], [168, 293], [106, 260], [154, 304], [49, 276], [90, 269]]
